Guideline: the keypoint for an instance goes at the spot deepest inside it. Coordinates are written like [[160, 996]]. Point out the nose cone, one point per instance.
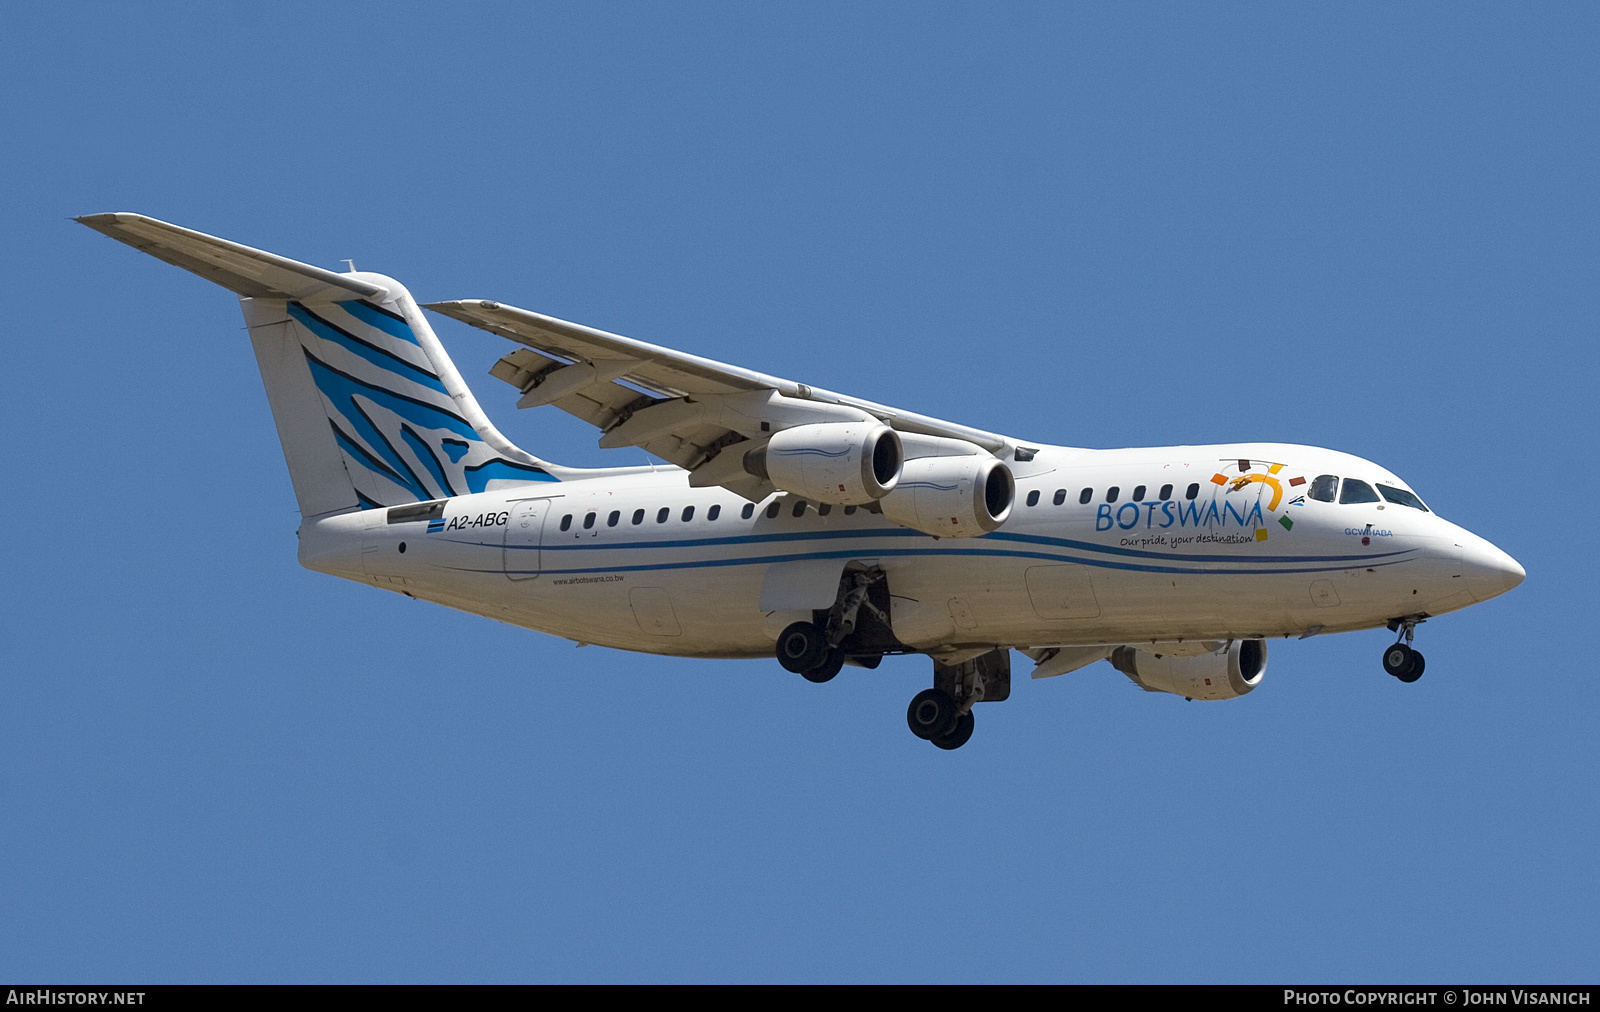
[[1489, 571]]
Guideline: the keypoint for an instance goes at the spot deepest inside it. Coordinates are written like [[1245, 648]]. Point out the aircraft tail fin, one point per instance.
[[369, 408]]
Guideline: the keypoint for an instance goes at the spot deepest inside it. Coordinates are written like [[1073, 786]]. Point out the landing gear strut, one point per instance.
[[1400, 660]]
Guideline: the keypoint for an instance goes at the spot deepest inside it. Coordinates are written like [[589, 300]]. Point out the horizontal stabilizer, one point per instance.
[[253, 273]]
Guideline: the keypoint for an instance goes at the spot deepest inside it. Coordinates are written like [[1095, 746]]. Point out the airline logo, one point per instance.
[[1272, 481], [1220, 511]]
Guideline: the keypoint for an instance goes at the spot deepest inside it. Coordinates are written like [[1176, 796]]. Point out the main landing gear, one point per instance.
[[943, 714], [816, 650], [934, 715], [857, 629], [1400, 660], [803, 648]]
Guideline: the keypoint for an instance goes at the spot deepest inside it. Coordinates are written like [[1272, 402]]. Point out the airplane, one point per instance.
[[813, 526]]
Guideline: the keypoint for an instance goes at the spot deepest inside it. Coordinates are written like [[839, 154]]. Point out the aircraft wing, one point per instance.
[[677, 406]]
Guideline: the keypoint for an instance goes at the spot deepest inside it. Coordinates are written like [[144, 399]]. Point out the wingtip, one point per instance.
[[108, 217]]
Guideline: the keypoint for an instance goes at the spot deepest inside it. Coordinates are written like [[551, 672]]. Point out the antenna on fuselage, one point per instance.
[[351, 264]]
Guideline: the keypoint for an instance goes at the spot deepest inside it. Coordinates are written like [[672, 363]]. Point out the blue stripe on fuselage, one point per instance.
[[1082, 546], [911, 552]]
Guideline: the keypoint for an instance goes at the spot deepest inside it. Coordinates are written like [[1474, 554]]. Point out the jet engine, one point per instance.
[[1228, 673], [845, 463], [952, 496]]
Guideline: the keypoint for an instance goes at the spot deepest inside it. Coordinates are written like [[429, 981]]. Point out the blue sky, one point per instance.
[[1367, 227]]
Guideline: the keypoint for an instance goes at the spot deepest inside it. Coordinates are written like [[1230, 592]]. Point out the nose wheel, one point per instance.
[[1403, 662], [1400, 660]]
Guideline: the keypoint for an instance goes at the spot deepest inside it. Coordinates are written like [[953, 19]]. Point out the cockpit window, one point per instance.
[[1324, 488], [1400, 497], [1357, 491]]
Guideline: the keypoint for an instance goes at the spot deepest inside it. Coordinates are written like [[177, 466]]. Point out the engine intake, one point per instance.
[[1228, 673], [952, 496], [846, 463]]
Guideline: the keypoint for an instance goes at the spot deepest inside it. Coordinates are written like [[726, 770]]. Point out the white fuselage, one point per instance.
[[1153, 566]]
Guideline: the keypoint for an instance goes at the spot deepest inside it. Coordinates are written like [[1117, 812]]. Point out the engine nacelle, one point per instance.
[[845, 463], [952, 497], [1226, 674]]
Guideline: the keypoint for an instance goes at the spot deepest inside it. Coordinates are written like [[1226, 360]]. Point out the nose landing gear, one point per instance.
[[1400, 660]]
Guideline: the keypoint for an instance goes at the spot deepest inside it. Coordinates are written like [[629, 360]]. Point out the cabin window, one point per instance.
[[714, 512], [1400, 497], [1033, 498], [588, 521], [1323, 487], [611, 521], [1138, 494], [1085, 496], [662, 514], [566, 522], [824, 509], [849, 511], [638, 517], [799, 508], [1112, 493], [1192, 491], [1166, 492], [772, 510], [1357, 491], [1061, 496], [688, 514], [748, 511]]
